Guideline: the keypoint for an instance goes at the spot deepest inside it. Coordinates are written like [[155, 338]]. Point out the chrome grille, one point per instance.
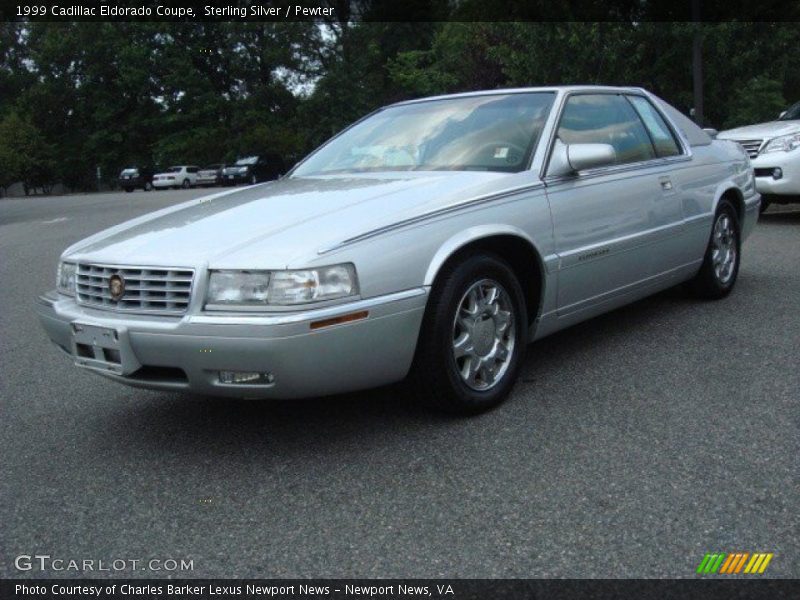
[[147, 289], [751, 146]]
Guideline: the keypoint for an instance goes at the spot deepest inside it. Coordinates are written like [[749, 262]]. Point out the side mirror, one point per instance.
[[572, 158], [712, 133], [783, 114]]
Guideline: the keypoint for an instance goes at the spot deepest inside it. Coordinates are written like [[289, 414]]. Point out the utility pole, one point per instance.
[[697, 63]]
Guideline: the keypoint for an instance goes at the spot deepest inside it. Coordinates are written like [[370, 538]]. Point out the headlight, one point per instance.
[[281, 288], [65, 278], [313, 285], [785, 143], [246, 288]]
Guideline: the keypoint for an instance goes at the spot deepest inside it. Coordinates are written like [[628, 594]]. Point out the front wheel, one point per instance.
[[720, 268], [128, 190], [148, 186], [253, 180], [473, 337]]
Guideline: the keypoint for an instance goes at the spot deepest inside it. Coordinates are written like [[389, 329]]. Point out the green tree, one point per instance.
[[762, 102], [25, 155]]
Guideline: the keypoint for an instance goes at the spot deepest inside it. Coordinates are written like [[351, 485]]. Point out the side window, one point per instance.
[[606, 119], [663, 139], [193, 169]]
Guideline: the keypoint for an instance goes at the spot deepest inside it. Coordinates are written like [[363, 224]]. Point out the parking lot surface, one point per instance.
[[632, 445]]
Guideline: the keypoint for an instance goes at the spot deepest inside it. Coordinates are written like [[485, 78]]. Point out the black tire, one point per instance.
[[148, 186], [253, 179], [435, 378], [709, 283], [128, 189], [186, 184]]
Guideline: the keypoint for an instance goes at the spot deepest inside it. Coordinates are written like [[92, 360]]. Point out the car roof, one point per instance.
[[550, 89]]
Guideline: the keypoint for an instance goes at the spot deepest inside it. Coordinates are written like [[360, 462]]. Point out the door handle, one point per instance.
[[666, 184]]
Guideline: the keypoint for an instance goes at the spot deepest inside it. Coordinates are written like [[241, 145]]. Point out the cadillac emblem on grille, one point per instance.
[[116, 286]]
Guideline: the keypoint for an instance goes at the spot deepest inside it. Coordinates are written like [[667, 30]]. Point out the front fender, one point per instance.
[[467, 236]]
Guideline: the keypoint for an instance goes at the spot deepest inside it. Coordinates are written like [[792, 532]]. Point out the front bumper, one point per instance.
[[235, 178], [788, 163], [187, 354]]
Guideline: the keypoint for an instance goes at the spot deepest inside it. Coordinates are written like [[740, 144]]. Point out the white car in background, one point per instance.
[[210, 175], [176, 177], [774, 149]]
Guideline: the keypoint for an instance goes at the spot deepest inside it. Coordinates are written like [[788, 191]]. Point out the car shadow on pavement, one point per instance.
[[784, 216], [201, 424]]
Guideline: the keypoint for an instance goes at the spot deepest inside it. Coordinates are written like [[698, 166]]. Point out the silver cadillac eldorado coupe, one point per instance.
[[432, 240]]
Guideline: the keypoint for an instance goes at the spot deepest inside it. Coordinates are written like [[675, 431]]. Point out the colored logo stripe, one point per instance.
[[734, 563], [758, 563], [710, 563]]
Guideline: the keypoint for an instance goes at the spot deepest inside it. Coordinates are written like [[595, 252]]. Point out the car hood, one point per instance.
[[761, 131], [273, 225]]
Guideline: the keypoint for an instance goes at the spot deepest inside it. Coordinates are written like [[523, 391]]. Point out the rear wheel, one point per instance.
[[720, 267], [128, 189], [253, 179], [473, 337], [185, 184], [148, 186]]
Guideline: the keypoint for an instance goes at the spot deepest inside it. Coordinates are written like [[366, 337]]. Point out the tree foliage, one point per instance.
[[106, 95], [25, 154]]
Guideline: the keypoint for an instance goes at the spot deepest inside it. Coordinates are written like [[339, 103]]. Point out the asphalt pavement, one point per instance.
[[632, 445]]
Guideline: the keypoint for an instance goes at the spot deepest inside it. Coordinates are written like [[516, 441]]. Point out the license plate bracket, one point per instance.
[[101, 348]]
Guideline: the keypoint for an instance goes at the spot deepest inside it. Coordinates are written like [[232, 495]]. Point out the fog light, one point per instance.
[[245, 377], [777, 173]]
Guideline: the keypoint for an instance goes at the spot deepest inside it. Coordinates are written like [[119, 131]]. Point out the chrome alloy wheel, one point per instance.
[[723, 248], [483, 334]]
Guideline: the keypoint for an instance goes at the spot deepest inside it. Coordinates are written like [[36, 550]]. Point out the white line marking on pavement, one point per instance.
[[56, 220]]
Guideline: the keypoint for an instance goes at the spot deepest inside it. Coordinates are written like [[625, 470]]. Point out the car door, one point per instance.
[[615, 227], [261, 169]]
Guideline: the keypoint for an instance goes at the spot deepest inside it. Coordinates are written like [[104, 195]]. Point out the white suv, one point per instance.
[[774, 149], [176, 177]]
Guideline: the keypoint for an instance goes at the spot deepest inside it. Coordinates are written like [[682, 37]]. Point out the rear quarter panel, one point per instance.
[[713, 171]]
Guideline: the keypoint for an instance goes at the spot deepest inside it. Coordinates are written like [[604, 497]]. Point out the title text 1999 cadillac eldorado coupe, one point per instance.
[[432, 240]]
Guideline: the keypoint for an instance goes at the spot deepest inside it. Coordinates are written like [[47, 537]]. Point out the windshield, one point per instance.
[[247, 160], [476, 133], [130, 171], [793, 114]]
